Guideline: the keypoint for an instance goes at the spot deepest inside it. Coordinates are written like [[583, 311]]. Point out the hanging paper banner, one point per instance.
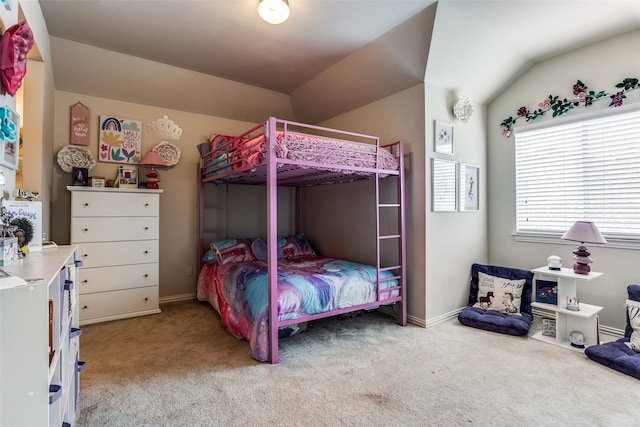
[[79, 124], [120, 140]]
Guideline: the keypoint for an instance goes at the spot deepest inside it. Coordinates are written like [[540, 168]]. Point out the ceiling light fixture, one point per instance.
[[274, 11]]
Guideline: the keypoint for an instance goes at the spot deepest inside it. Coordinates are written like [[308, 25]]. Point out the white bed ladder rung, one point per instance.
[[395, 267]]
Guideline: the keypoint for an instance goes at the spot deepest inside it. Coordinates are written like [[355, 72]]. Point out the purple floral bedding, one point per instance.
[[307, 285]]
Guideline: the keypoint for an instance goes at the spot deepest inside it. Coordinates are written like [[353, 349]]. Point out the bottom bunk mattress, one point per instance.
[[307, 285]]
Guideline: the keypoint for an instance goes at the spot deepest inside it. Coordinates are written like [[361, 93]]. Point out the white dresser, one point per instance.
[[117, 231]]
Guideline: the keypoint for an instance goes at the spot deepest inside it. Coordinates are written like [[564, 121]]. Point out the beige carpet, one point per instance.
[[181, 368]]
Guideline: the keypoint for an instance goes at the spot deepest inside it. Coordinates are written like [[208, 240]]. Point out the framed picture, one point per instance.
[[120, 140], [443, 191], [443, 137], [80, 176], [10, 135], [127, 177], [469, 197]]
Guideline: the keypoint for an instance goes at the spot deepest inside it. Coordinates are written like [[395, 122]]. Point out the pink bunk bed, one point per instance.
[[265, 289]]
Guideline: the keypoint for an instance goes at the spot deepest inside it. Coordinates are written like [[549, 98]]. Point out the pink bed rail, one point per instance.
[[274, 171]]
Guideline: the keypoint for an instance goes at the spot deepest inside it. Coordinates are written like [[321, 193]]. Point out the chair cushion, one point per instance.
[[492, 320], [495, 321], [618, 355]]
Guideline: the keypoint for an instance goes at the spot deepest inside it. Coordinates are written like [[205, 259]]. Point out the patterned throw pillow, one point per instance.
[[499, 294], [633, 310], [288, 247], [232, 250]]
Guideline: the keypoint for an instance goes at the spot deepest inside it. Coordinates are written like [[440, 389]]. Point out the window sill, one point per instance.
[[548, 238]]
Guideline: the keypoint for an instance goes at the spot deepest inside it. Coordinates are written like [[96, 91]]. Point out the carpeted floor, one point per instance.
[[181, 368]]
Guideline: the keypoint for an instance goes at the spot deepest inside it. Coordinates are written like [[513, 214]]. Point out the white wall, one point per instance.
[[454, 240], [600, 66]]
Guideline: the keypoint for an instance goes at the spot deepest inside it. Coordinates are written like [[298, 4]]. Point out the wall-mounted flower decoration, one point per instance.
[[558, 106]]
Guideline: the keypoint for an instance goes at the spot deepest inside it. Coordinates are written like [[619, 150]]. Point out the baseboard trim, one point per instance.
[[443, 318], [177, 298]]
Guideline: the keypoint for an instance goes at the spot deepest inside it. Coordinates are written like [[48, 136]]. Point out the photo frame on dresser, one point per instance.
[[126, 177]]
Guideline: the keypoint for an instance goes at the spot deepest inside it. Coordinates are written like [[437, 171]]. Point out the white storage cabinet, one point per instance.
[[585, 320], [117, 231], [40, 344]]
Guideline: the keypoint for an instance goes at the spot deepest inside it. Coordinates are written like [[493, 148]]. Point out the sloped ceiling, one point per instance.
[[331, 56]]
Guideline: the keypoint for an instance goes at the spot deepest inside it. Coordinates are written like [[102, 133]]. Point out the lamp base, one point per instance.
[[581, 260], [152, 180]]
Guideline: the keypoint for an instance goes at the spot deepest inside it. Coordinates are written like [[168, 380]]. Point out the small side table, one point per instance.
[[585, 320]]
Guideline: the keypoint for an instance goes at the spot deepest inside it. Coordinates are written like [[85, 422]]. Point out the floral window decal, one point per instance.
[[560, 106]]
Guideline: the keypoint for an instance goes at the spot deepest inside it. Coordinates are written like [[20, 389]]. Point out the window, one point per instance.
[[580, 170]]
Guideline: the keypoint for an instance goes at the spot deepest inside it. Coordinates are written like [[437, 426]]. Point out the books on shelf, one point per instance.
[[27, 218]]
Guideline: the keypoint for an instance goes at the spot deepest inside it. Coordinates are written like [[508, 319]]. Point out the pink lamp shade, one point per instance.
[[153, 160], [583, 232]]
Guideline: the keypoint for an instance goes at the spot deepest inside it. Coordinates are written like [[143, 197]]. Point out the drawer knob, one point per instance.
[[86, 204], [85, 255], [146, 299], [85, 307], [145, 276], [85, 281], [85, 229], [146, 205], [146, 252], [146, 228]]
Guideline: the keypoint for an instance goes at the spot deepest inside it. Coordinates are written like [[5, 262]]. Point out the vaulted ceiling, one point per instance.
[[331, 55]]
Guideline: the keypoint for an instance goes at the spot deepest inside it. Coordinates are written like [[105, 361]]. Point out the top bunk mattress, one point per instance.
[[238, 158]]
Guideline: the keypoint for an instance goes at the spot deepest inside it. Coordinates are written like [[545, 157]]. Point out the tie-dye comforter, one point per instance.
[[307, 285]]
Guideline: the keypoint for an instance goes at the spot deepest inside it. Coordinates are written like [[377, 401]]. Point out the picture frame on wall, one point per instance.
[[443, 182], [469, 184], [443, 138], [10, 138]]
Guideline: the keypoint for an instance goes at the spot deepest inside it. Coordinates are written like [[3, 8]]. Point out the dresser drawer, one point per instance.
[[106, 229], [93, 204], [122, 303], [105, 254], [100, 279]]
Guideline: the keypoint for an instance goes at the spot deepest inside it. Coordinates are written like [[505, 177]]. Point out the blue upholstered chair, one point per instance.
[[616, 354], [495, 321]]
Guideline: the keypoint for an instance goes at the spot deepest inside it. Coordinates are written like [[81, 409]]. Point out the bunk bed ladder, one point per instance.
[[397, 235]]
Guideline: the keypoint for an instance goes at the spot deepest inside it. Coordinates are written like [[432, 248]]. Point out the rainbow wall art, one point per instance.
[[120, 140]]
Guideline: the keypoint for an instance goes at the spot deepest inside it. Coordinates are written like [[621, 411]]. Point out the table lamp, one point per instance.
[[153, 160], [583, 232]]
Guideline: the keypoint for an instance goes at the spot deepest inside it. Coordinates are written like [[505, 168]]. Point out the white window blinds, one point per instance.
[[587, 170]]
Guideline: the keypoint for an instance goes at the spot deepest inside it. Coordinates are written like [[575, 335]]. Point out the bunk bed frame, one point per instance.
[[274, 171]]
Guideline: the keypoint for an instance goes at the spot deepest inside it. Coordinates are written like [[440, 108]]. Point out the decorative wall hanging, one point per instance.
[[443, 137], [73, 156], [463, 109], [164, 128], [80, 124], [120, 140], [559, 106], [469, 197], [10, 136], [15, 44], [443, 185], [169, 153]]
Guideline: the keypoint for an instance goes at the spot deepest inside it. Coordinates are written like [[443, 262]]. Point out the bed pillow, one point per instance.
[[288, 247], [499, 294], [296, 245], [633, 311], [232, 250], [261, 251], [209, 257]]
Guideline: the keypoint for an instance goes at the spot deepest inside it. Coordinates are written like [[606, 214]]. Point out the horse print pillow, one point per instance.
[[633, 312], [499, 294]]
